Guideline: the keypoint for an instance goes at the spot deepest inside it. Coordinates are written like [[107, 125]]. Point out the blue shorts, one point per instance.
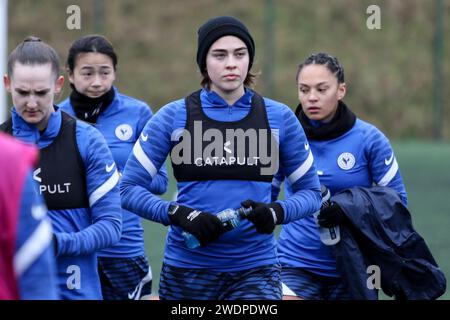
[[307, 285], [125, 278], [261, 283]]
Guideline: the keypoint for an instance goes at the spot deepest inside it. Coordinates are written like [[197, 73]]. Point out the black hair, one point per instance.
[[90, 43], [34, 51], [327, 60]]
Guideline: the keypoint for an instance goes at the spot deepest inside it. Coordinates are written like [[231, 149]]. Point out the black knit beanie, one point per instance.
[[218, 27]]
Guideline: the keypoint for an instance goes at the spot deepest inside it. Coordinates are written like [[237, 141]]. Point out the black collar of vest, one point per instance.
[[342, 122], [194, 101]]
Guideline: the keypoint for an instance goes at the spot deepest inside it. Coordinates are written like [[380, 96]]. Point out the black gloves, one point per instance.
[[204, 226], [330, 216], [264, 215]]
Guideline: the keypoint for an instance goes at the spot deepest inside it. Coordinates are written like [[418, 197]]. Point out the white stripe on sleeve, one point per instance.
[[300, 172], [104, 188], [389, 175], [143, 159], [33, 247]]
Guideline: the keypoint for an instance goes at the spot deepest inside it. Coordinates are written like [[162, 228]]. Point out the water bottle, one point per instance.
[[230, 218], [328, 236]]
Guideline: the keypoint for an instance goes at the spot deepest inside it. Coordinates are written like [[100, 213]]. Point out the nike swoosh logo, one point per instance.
[[389, 161], [144, 137], [306, 146], [110, 167], [133, 294]]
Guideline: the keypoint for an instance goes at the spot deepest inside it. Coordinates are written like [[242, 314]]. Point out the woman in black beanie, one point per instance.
[[225, 142]]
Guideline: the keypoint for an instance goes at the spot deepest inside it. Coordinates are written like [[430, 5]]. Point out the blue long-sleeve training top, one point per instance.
[[121, 123], [241, 248], [81, 232]]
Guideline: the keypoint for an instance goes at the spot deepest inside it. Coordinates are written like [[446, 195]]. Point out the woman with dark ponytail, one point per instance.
[[348, 152], [91, 65]]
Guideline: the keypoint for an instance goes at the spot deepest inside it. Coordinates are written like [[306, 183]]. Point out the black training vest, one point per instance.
[[209, 149], [60, 171]]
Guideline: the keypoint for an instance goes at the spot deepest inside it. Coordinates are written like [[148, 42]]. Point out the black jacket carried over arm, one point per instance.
[[378, 231]]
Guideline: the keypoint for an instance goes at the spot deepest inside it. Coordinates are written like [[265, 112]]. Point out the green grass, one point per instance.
[[425, 169]]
